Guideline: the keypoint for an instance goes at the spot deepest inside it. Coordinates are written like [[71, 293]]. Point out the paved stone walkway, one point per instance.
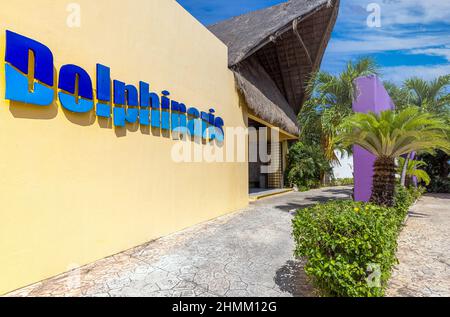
[[249, 253], [424, 251]]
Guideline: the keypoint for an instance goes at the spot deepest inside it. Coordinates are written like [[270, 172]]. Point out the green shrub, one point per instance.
[[405, 197], [342, 182], [440, 185], [308, 185], [305, 166], [438, 168], [417, 192], [343, 240]]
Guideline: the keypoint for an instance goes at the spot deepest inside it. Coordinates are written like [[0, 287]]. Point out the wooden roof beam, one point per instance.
[[299, 37]]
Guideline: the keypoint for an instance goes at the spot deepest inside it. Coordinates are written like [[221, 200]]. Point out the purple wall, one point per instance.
[[371, 97]]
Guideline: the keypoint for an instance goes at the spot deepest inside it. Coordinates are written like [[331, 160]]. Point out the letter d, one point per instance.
[[17, 66]]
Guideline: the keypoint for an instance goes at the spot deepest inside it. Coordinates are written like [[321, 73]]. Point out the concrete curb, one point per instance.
[[267, 195]]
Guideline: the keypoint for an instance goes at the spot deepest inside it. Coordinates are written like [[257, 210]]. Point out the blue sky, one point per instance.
[[413, 40]]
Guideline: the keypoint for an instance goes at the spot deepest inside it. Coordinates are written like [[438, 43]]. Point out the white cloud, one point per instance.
[[373, 44], [418, 26], [415, 11], [443, 51], [401, 12], [398, 74]]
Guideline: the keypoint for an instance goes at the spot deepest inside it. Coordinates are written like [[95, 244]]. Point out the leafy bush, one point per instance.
[[307, 185], [404, 198], [343, 241], [439, 185], [305, 166], [438, 168], [342, 182]]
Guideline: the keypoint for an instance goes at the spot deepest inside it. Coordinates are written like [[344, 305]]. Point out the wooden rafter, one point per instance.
[[302, 43]]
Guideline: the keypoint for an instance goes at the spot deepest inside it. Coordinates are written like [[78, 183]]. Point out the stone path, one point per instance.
[[424, 251], [249, 253]]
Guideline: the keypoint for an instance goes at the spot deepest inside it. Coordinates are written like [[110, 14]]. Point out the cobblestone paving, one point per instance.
[[424, 251], [249, 253]]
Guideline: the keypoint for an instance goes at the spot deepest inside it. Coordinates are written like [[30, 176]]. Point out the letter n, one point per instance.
[[24, 82]]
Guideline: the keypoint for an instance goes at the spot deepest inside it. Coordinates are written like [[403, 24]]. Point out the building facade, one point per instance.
[[89, 109]]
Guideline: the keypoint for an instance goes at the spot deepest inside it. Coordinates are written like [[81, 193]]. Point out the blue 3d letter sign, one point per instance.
[[35, 84]]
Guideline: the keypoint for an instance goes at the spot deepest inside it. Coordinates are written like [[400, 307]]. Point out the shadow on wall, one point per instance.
[[27, 111], [22, 110]]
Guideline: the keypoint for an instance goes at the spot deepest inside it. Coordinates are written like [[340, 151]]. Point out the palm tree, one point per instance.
[[430, 95], [331, 101], [390, 135], [400, 95], [414, 170]]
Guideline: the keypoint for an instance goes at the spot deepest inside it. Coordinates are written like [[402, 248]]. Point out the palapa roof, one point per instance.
[[274, 51]]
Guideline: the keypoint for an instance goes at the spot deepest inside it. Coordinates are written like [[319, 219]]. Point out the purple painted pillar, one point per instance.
[[371, 97]]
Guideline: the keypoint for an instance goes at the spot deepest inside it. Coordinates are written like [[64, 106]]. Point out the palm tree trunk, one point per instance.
[[405, 169], [383, 182]]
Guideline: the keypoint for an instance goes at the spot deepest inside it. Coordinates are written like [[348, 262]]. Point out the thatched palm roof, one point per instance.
[[274, 51]]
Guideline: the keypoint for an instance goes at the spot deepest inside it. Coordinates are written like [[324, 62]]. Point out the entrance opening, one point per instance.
[[259, 181]]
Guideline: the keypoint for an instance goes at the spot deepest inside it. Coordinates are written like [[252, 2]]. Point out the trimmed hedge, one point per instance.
[[347, 244]]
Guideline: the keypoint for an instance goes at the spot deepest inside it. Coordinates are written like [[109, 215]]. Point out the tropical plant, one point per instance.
[[438, 167], [430, 95], [413, 169], [390, 135], [331, 101], [343, 242], [400, 95], [306, 165]]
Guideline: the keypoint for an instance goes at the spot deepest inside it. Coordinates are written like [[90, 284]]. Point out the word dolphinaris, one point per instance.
[[125, 104]]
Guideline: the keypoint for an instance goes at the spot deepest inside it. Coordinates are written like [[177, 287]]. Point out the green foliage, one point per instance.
[[414, 170], [401, 96], [405, 197], [439, 185], [306, 165], [391, 134], [343, 240], [342, 182], [432, 96], [388, 136], [331, 102], [319, 119], [438, 168]]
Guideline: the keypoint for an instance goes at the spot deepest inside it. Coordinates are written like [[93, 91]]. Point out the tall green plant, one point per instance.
[[331, 102], [430, 95], [306, 165], [414, 169], [390, 135]]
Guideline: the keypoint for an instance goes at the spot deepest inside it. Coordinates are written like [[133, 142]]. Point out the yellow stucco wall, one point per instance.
[[73, 189]]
